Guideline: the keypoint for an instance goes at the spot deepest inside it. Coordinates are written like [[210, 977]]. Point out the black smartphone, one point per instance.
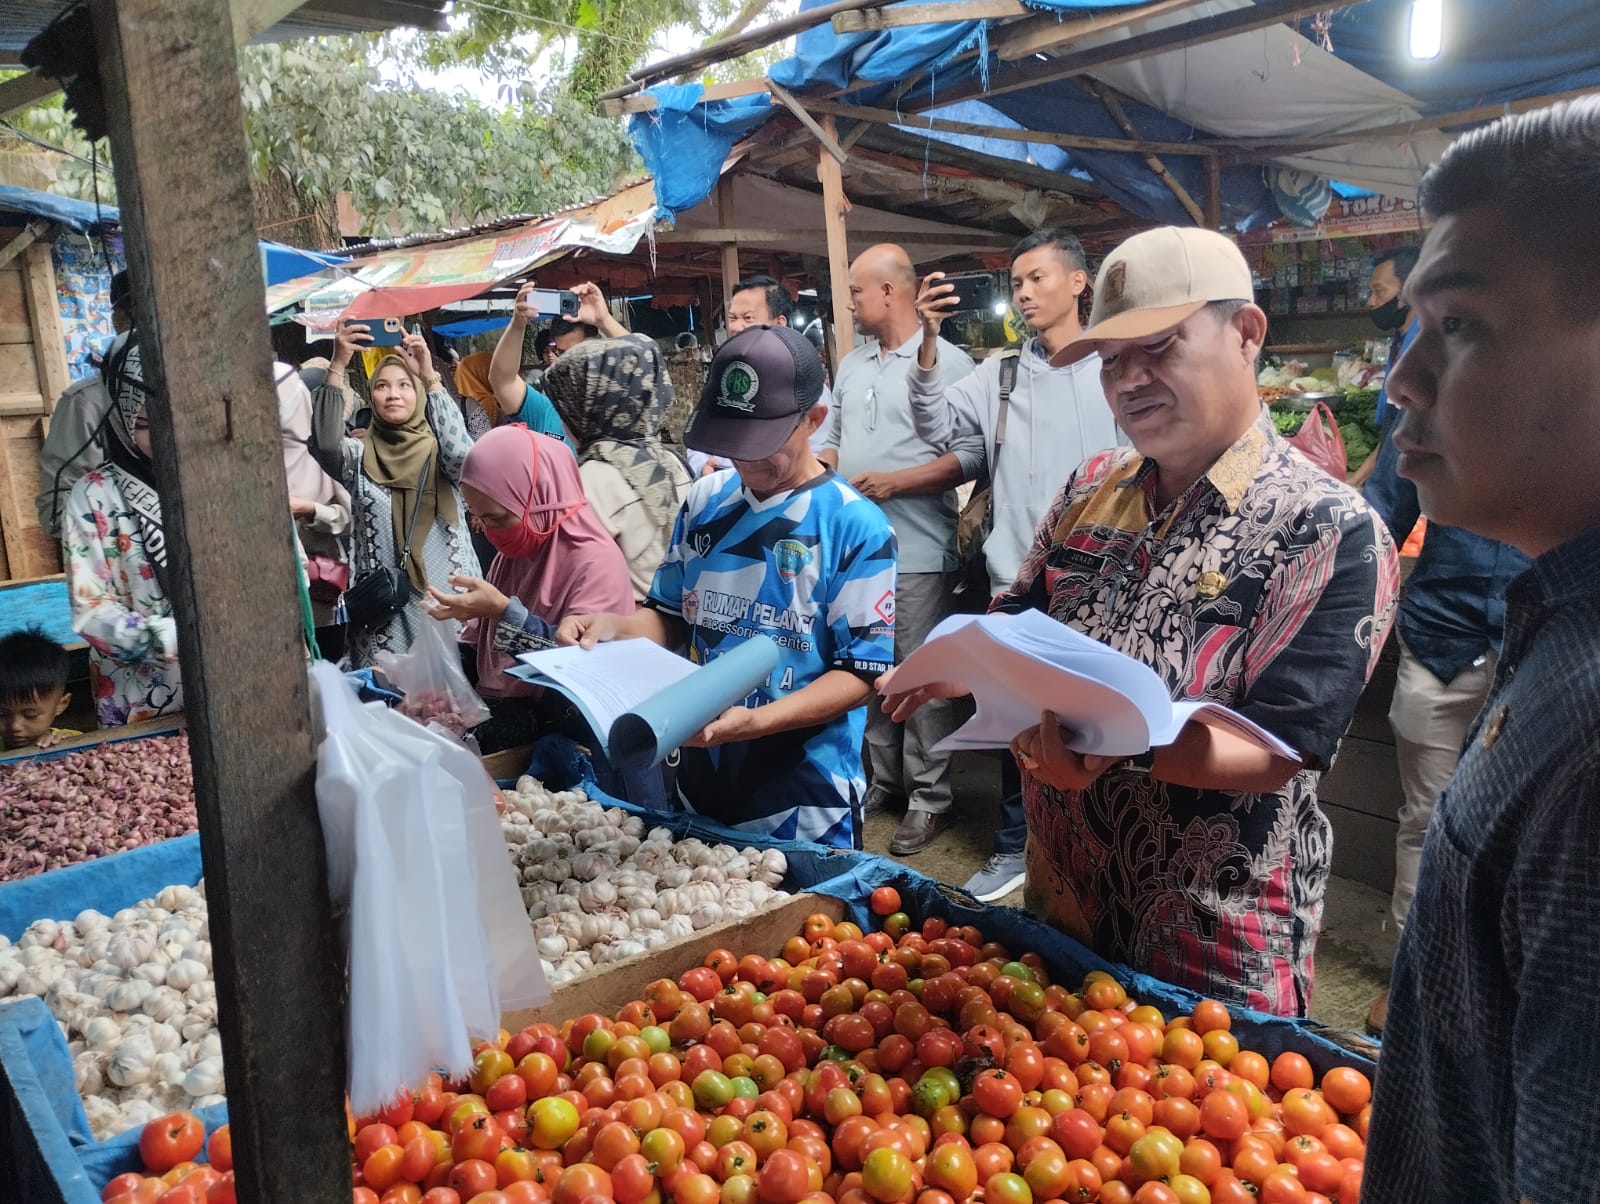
[[974, 290]]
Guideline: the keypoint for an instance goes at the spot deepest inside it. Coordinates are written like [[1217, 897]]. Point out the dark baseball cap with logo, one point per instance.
[[762, 383]]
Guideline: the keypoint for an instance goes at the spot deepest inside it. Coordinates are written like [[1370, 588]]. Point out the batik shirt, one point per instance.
[[118, 605], [1268, 587], [813, 569]]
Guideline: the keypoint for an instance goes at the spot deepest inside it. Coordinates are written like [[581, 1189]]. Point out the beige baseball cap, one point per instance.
[[1156, 279]]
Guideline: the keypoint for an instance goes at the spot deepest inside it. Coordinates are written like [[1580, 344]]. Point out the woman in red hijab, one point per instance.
[[554, 559]]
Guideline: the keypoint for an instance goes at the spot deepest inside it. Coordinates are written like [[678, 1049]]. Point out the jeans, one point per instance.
[[1013, 833]]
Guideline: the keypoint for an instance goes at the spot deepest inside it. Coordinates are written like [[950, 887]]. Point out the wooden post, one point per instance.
[[1214, 192], [730, 253], [171, 85], [49, 347], [834, 206]]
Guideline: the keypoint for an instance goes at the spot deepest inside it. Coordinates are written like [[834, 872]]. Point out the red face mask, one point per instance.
[[523, 540]]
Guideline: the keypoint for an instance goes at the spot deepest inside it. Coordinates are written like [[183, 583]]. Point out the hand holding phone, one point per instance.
[[936, 301]]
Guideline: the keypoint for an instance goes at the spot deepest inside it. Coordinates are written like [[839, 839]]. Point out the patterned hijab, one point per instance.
[[394, 455], [614, 395], [135, 474]]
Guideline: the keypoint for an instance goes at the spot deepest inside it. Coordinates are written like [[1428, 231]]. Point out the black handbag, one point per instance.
[[379, 594]]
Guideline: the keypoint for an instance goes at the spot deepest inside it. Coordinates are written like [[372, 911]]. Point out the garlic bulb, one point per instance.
[[204, 1078], [131, 1061]]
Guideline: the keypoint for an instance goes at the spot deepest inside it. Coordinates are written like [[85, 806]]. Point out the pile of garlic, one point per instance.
[[133, 994], [599, 888]]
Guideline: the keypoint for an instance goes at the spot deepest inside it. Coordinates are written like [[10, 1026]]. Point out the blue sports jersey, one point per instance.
[[813, 569]]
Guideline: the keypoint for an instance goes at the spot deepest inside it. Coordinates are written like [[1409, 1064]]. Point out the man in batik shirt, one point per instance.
[[1242, 574]]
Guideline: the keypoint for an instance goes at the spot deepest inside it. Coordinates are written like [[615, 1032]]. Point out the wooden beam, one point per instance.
[[1031, 71], [1043, 33], [872, 20], [25, 238], [252, 18], [730, 252], [787, 100], [24, 91], [735, 47], [49, 345], [834, 206], [170, 78], [643, 102], [912, 122], [1113, 104], [1258, 150], [741, 235], [1214, 193]]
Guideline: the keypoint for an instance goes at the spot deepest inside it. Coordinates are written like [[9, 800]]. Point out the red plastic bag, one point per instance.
[[1319, 441]]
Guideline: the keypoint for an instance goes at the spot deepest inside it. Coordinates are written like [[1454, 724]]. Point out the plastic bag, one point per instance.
[[431, 678], [1319, 441], [438, 943]]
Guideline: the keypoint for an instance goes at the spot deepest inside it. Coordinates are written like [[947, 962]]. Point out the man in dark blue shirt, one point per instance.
[[1452, 611], [1494, 1028]]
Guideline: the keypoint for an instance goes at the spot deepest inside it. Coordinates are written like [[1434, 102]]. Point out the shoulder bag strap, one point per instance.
[[1008, 381], [416, 505]]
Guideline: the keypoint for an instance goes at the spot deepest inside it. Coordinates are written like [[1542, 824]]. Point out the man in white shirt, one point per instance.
[[1056, 417], [758, 301], [70, 448], [874, 445]]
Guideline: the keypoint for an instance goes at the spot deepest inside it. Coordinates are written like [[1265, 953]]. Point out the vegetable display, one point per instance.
[[906, 1066], [1358, 424], [134, 995], [94, 802]]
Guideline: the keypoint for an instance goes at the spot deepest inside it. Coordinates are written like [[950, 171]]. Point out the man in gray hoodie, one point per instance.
[[1053, 417]]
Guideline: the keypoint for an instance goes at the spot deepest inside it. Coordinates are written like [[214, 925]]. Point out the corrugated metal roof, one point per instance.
[[20, 20]]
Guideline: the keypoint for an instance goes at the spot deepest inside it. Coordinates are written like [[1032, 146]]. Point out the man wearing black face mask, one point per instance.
[[1391, 315], [1450, 620]]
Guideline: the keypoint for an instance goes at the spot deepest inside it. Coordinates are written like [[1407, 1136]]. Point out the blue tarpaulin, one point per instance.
[[1266, 84]]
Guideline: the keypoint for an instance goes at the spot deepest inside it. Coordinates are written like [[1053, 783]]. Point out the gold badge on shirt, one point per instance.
[[1495, 726], [1210, 585]]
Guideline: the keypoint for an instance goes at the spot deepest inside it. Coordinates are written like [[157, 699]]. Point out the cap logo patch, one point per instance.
[[738, 388], [1116, 282]]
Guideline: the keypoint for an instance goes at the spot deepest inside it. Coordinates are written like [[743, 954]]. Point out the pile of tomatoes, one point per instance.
[[903, 1066], [168, 1147]]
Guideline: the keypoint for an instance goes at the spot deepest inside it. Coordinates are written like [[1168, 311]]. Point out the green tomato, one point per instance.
[[1017, 970], [552, 1120], [712, 1089], [744, 1087], [656, 1038], [928, 1096]]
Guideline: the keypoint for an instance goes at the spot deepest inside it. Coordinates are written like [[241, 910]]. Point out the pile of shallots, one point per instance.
[[94, 802], [599, 888]]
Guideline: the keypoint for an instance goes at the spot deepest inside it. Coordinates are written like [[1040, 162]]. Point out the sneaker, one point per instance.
[[1000, 875]]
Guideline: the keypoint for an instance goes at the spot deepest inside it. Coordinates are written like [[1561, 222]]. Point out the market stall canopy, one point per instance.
[[1095, 89], [417, 274], [268, 20], [279, 263], [398, 277]]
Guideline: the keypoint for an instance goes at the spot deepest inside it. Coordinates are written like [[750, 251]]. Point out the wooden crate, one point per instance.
[[611, 987]]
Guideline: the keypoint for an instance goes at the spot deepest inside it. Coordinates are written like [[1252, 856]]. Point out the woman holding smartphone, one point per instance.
[[404, 484]]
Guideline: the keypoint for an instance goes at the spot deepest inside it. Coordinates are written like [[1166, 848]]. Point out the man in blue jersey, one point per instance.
[[780, 546]]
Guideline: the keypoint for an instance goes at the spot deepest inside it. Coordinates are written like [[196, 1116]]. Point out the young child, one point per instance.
[[33, 691]]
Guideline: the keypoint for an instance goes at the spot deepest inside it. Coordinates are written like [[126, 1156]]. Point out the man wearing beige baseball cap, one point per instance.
[[1213, 552]]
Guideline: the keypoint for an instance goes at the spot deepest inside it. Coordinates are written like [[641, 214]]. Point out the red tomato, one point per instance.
[[997, 1093], [169, 1140], [1283, 1186], [222, 1192], [1076, 1132], [472, 1176], [1346, 1089], [885, 901], [219, 1149], [784, 1178], [442, 1195], [951, 1168]]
